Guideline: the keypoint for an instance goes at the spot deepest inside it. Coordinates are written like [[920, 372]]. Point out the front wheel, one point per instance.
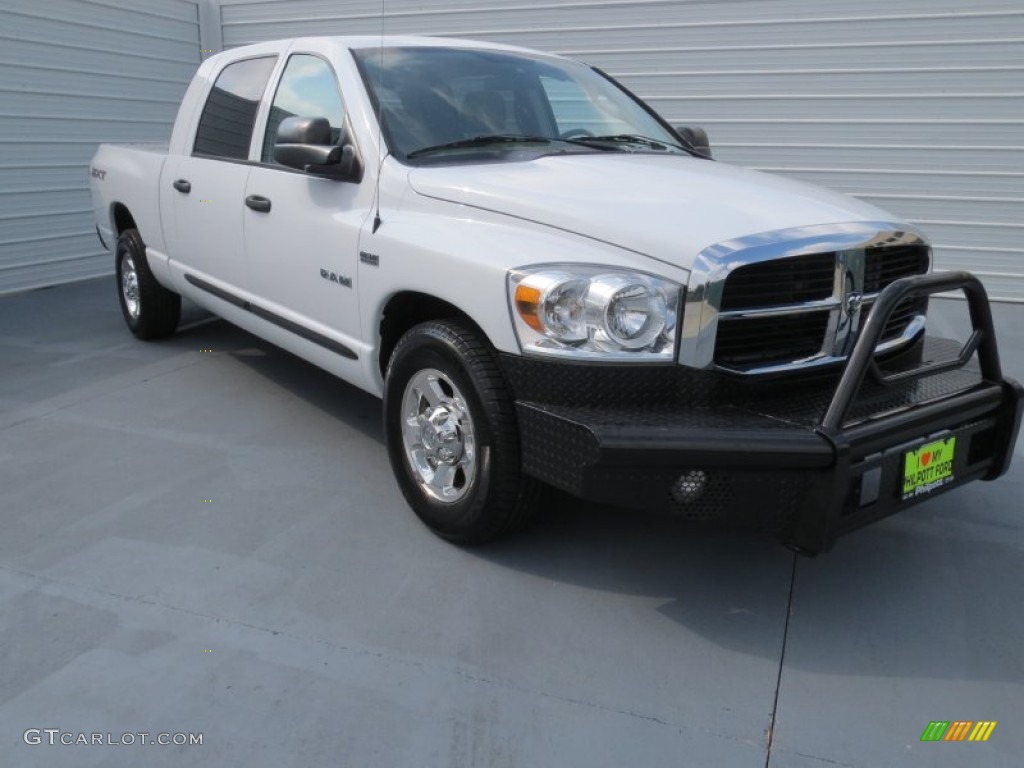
[[452, 435]]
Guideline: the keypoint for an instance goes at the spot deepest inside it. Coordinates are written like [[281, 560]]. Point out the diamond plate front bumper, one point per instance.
[[803, 460]]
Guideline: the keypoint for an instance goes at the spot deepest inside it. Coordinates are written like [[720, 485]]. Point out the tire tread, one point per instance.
[[160, 309], [516, 497]]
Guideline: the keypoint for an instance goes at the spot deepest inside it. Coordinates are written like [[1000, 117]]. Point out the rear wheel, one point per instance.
[[150, 310], [452, 435]]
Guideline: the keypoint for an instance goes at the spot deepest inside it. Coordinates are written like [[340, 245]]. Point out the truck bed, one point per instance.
[[128, 175]]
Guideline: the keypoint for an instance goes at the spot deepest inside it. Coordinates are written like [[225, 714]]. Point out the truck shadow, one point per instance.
[[324, 391], [933, 594]]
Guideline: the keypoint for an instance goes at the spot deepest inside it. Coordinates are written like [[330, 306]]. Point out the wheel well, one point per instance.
[[122, 218], [408, 309]]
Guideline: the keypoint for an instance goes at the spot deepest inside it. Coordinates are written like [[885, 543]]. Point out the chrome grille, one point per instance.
[[882, 266], [766, 340], [775, 283], [902, 317], [808, 307]]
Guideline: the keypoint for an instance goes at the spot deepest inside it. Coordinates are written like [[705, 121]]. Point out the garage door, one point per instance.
[[915, 105], [74, 73]]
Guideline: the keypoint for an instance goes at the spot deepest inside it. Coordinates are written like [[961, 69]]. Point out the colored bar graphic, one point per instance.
[[958, 730], [982, 730], [935, 731]]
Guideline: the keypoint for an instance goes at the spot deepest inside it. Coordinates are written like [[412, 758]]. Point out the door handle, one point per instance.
[[258, 203], [182, 185]]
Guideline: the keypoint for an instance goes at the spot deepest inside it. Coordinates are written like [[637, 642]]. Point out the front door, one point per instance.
[[302, 249]]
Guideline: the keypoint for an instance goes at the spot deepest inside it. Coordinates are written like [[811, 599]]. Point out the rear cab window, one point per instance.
[[226, 124]]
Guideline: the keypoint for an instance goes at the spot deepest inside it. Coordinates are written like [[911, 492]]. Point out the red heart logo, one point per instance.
[[925, 458]]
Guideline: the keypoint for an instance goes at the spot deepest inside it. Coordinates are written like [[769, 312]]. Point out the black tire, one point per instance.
[[498, 499], [158, 309]]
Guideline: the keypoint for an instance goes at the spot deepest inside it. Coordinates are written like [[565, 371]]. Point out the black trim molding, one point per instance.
[[265, 314]]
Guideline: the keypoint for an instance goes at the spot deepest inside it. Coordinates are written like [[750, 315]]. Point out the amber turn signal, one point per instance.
[[528, 305]]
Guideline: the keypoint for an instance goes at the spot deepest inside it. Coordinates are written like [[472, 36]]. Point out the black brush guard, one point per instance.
[[803, 461]]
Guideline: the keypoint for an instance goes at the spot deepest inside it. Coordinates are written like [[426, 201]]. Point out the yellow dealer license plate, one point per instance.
[[928, 468]]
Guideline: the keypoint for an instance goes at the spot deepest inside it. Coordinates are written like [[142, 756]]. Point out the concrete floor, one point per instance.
[[211, 541]]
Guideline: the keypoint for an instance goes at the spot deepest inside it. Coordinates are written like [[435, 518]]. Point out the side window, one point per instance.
[[307, 89], [225, 127]]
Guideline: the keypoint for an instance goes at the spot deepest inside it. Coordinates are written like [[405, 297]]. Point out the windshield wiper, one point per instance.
[[483, 141], [593, 142], [630, 138]]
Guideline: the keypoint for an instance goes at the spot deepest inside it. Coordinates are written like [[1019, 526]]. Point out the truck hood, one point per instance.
[[669, 207]]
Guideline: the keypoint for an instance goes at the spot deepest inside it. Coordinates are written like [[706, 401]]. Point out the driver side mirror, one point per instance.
[[696, 137], [305, 143]]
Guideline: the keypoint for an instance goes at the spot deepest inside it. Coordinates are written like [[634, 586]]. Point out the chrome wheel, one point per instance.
[[130, 285], [437, 434]]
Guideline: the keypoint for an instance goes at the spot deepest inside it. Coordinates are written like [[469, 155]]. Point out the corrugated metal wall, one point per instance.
[[916, 105], [74, 73]]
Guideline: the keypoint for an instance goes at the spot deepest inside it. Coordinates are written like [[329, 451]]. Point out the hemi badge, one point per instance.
[[369, 258]]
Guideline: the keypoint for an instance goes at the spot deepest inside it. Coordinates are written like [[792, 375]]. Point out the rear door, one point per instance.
[[303, 251], [208, 186]]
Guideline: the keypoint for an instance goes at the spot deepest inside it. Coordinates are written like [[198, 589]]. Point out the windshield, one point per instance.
[[451, 104]]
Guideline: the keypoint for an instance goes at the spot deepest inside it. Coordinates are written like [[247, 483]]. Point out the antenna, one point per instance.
[[380, 120]]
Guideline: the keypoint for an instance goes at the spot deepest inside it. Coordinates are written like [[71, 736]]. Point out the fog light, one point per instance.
[[689, 487]]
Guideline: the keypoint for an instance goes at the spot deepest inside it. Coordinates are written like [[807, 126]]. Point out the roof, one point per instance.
[[385, 41]]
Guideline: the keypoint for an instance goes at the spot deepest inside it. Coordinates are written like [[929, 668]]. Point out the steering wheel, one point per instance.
[[572, 133]]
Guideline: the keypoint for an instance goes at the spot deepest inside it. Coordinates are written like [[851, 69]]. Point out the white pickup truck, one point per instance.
[[548, 284]]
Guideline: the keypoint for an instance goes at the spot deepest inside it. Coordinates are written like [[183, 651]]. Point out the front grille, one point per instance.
[[747, 342], [884, 265], [902, 316], [762, 341], [780, 282]]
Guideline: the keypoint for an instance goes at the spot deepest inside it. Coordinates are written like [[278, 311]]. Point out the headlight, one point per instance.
[[594, 312]]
